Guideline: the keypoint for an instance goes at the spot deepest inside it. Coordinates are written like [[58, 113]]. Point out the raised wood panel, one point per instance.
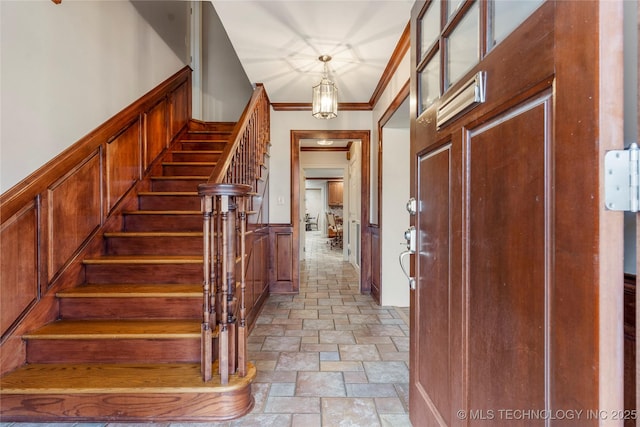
[[74, 211], [431, 366], [28, 189], [509, 268], [257, 275], [282, 267], [67, 193], [155, 135], [123, 163], [375, 264], [19, 274], [179, 109]]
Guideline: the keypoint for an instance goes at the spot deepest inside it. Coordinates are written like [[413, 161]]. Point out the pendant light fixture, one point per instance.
[[325, 95]]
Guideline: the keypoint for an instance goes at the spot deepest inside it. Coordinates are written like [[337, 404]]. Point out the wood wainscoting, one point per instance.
[[48, 220], [283, 271]]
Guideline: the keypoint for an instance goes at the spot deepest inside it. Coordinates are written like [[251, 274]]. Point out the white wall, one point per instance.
[[325, 160], [65, 69], [282, 122], [395, 218], [395, 192], [226, 89], [400, 77]]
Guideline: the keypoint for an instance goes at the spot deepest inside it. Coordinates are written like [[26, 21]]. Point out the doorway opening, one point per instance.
[[355, 197], [393, 178]]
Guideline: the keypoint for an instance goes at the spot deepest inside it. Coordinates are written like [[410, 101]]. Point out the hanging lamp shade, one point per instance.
[[325, 95]]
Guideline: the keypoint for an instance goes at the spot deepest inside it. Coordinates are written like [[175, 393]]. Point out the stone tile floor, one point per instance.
[[328, 356]]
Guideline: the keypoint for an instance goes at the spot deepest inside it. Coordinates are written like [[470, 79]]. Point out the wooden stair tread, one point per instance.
[[117, 379], [110, 290], [118, 329], [144, 259]]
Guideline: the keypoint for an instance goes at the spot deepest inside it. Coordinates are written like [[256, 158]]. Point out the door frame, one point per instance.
[[365, 237], [400, 97]]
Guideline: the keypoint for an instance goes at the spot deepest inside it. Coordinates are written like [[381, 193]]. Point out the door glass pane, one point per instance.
[[506, 15], [463, 46], [452, 6], [429, 27], [430, 83]]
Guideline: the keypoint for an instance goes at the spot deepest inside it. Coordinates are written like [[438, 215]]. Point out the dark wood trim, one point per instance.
[[325, 149], [333, 178], [284, 274], [394, 62], [365, 137], [77, 184], [376, 279], [306, 106], [402, 94]]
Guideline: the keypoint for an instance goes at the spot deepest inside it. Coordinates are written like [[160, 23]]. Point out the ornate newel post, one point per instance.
[[224, 224]]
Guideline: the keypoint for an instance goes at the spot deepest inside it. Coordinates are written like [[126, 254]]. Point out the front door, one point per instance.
[[516, 315]]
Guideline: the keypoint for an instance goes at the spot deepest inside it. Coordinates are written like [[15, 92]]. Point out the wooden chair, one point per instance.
[[334, 230]]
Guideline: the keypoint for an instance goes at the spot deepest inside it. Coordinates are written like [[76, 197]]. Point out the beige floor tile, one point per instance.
[[294, 361], [320, 384], [358, 352], [339, 412], [293, 405], [306, 420]]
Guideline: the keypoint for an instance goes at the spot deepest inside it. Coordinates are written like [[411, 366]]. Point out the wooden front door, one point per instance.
[[516, 318]]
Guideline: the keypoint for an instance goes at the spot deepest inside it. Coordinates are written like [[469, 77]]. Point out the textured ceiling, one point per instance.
[[279, 42]]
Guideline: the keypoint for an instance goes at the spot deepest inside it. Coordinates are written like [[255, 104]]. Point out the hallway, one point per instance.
[[326, 357], [329, 356]]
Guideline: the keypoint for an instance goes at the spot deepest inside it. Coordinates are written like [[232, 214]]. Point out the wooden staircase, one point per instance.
[[127, 343]]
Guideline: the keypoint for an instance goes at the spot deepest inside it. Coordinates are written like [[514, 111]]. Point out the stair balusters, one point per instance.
[[225, 207], [224, 219]]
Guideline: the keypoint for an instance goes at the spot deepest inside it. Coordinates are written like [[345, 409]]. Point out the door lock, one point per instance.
[[412, 206], [410, 237]]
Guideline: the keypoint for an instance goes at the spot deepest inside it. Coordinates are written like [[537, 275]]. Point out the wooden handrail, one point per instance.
[[251, 129], [224, 208]]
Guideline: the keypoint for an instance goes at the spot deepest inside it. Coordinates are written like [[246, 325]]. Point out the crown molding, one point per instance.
[[394, 62]]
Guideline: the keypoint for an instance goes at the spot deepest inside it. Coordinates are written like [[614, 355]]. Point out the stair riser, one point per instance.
[[202, 145], [179, 156], [157, 245], [181, 203], [162, 223], [207, 135], [113, 350], [175, 184], [141, 407], [187, 170], [144, 273], [131, 308]]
